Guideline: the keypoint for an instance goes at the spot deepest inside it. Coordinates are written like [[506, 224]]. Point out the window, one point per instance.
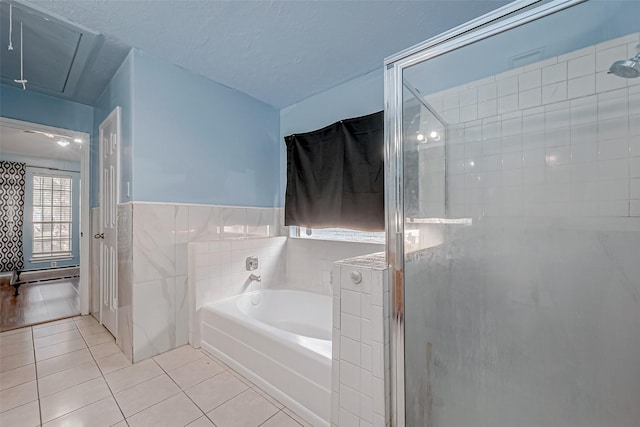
[[342, 234], [52, 218]]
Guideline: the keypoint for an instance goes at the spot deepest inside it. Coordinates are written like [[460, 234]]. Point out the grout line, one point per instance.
[[183, 391], [102, 374], [279, 410], [144, 409], [35, 365]]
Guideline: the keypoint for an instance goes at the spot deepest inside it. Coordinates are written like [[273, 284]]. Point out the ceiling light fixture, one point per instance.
[[435, 135], [50, 135], [63, 142], [78, 140]]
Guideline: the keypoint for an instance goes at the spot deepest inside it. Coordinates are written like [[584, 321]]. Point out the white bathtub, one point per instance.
[[279, 339]]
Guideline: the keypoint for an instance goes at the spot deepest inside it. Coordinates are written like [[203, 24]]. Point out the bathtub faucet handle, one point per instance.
[[254, 278]]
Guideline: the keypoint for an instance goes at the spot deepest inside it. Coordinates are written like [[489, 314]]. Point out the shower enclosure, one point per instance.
[[513, 220]]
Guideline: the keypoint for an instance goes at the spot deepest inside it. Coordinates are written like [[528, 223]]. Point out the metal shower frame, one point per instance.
[[515, 14]]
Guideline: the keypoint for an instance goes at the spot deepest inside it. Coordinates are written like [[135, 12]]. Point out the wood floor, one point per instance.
[[38, 302]]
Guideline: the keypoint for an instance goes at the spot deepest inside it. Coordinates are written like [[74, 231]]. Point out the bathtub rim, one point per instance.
[[217, 321], [226, 308]]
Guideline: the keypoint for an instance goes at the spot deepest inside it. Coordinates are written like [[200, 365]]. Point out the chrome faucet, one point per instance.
[[254, 278]]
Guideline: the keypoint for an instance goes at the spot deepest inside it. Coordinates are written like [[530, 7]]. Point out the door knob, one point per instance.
[[98, 236]]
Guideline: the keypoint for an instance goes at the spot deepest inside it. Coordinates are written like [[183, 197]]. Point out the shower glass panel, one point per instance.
[[517, 237]]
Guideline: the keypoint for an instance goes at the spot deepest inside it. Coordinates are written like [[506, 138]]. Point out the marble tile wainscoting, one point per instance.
[[153, 267], [361, 395]]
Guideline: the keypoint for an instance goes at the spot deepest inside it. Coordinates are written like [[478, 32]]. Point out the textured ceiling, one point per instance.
[[60, 59], [25, 143], [277, 51]]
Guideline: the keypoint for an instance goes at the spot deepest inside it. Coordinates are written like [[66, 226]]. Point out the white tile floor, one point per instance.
[[71, 373]]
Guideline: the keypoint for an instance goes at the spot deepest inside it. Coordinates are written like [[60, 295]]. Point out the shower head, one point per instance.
[[628, 68]]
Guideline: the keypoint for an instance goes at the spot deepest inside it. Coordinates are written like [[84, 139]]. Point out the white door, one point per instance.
[[109, 185]]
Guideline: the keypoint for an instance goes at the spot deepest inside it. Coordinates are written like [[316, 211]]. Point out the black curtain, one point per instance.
[[12, 182], [335, 176]]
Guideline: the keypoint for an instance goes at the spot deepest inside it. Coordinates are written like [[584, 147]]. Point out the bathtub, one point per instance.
[[280, 340]]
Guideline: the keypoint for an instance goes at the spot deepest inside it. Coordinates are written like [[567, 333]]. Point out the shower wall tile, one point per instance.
[[581, 66], [558, 137], [554, 73], [605, 56], [360, 342], [581, 86]]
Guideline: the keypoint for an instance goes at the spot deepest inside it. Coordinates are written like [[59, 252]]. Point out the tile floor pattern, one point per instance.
[[71, 373]]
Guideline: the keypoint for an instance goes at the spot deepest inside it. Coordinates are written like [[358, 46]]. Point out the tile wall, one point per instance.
[[155, 276], [360, 385], [310, 262], [559, 137], [125, 280], [217, 270]]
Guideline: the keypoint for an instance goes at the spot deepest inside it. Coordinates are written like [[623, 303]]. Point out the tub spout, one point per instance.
[[254, 278]]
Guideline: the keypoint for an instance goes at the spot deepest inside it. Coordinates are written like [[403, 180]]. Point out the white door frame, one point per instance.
[[114, 115], [85, 186]]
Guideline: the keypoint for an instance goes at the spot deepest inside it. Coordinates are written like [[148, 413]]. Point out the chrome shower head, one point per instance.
[[628, 68]]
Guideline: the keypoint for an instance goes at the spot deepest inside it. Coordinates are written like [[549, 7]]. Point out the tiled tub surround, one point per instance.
[[217, 270], [280, 340], [310, 262], [557, 137], [154, 278], [360, 380]]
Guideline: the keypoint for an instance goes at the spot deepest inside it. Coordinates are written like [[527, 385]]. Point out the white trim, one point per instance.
[[460, 29], [85, 186], [51, 258], [114, 115], [142, 202]]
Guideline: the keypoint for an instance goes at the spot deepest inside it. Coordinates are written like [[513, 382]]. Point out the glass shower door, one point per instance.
[[515, 232]]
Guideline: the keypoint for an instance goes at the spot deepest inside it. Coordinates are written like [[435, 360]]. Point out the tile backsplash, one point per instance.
[[310, 262], [217, 270], [559, 137]]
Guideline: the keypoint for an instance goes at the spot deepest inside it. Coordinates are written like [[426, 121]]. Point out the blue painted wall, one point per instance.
[[118, 93], [39, 165], [19, 104], [357, 97], [196, 141]]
